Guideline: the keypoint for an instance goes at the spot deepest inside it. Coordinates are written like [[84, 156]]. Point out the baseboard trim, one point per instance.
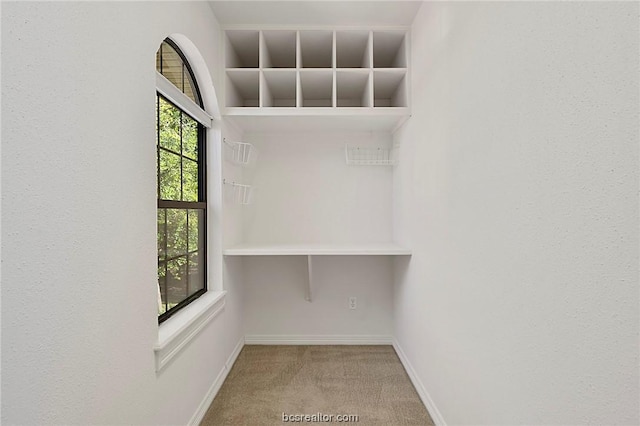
[[215, 387], [266, 339], [435, 414]]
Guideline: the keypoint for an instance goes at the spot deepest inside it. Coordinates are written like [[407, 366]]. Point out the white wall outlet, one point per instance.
[[353, 303]]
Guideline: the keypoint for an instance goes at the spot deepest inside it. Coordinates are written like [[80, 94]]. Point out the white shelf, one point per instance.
[[390, 88], [382, 249], [389, 49], [278, 49], [316, 88], [309, 119], [316, 49], [242, 49], [279, 88], [316, 79], [353, 88], [353, 49], [243, 88]]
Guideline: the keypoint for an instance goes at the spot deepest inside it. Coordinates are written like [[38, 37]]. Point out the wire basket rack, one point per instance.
[[367, 156], [239, 193], [242, 152]]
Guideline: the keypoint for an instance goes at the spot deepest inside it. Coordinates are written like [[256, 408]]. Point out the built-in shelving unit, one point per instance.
[[330, 80], [360, 75]]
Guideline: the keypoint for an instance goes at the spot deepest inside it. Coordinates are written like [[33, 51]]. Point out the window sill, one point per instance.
[[175, 333]]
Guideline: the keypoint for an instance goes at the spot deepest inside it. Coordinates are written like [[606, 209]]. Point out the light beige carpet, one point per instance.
[[267, 381]]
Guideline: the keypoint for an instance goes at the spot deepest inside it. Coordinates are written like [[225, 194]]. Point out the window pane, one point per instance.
[[176, 281], [170, 118], [189, 180], [196, 232], [189, 87], [162, 303], [169, 176], [176, 232], [158, 55], [189, 137], [161, 234], [157, 112], [172, 65], [196, 273]]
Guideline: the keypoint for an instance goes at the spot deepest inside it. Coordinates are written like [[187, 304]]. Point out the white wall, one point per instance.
[[518, 191], [275, 305], [78, 237], [306, 193]]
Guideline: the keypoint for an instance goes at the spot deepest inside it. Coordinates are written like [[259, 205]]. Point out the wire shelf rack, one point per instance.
[[242, 152], [239, 193], [366, 156]]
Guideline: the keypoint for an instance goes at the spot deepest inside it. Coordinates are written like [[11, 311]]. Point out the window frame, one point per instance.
[[175, 96]]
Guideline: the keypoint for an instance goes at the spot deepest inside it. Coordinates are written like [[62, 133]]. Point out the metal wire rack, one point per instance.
[[366, 156], [239, 193], [242, 152]]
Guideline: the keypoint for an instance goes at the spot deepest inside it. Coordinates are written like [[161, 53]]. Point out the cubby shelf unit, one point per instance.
[[311, 73]]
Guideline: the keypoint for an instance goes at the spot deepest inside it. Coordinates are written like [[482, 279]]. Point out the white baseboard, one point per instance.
[[215, 387], [436, 416], [273, 339]]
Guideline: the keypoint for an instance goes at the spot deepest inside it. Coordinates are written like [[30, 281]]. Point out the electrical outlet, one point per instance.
[[353, 303]]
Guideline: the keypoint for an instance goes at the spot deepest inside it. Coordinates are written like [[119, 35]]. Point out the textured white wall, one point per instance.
[[306, 193], [274, 296], [78, 235], [518, 190]]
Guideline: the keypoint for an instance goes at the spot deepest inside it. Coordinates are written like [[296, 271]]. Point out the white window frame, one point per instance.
[[178, 330]]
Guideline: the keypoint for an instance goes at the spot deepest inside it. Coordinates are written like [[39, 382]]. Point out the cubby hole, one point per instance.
[[316, 49], [353, 88], [390, 88], [242, 49], [389, 49], [352, 49], [243, 88], [279, 88], [316, 88], [278, 49]]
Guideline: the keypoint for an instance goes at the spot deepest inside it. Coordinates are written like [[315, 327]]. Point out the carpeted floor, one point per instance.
[[267, 381]]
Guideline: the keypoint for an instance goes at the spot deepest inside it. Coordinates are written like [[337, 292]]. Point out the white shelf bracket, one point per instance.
[[309, 295]]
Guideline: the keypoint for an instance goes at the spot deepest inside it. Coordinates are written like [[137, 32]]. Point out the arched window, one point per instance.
[[181, 192]]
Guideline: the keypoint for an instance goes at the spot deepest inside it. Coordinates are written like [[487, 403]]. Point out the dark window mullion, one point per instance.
[[158, 135], [187, 264], [202, 195], [180, 255], [172, 204], [166, 269], [170, 151], [182, 77], [181, 160]]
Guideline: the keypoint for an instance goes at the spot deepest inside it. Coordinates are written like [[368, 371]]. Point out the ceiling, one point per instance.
[[316, 12]]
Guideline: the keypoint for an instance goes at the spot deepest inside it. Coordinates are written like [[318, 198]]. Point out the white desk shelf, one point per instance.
[[383, 249], [310, 250]]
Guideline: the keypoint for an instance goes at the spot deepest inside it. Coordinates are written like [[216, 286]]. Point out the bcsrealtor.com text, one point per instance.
[[319, 418]]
